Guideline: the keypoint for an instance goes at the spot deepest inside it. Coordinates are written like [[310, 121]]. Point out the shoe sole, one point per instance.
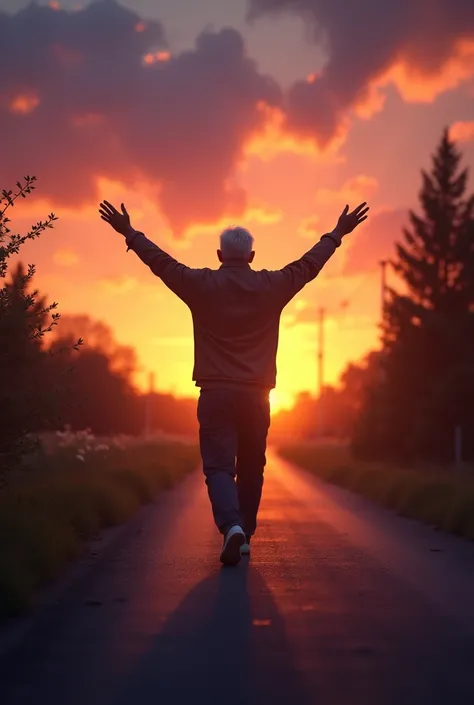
[[231, 553]]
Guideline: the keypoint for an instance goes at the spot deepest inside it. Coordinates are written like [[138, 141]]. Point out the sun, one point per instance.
[[279, 400]]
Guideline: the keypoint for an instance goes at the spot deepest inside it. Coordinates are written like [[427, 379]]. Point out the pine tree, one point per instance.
[[428, 336], [436, 261]]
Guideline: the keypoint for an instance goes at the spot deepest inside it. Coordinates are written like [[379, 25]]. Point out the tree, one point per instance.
[[99, 337], [24, 319], [429, 328], [436, 261], [99, 390]]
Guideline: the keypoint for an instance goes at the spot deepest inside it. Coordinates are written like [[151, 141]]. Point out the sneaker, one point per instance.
[[234, 539], [245, 548]]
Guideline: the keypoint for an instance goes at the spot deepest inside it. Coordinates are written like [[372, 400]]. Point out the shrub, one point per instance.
[[441, 498], [45, 519]]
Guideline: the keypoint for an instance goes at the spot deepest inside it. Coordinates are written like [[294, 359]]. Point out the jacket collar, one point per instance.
[[235, 263]]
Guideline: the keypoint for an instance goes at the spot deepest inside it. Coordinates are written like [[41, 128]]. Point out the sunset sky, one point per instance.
[[272, 114]]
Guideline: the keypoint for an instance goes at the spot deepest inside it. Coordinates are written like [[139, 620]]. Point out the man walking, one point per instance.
[[236, 315]]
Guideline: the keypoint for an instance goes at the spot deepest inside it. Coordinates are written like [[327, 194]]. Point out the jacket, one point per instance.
[[235, 310]]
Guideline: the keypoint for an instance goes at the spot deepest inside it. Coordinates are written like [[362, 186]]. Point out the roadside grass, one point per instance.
[[442, 497], [67, 498]]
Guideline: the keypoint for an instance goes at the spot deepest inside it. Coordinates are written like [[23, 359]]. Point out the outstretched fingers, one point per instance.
[[107, 209], [111, 207], [357, 210], [360, 212], [362, 215]]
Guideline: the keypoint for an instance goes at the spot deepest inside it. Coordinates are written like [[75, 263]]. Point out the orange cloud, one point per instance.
[[355, 190], [308, 227], [414, 83], [417, 85], [372, 102], [156, 57], [374, 241], [24, 103], [263, 215], [304, 313], [187, 139], [65, 258], [118, 285], [462, 131], [254, 214], [424, 48], [274, 138]]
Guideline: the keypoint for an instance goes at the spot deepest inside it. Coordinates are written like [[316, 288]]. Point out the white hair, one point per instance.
[[236, 243]]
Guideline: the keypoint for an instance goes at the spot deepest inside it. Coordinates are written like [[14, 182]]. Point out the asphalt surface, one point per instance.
[[341, 603]]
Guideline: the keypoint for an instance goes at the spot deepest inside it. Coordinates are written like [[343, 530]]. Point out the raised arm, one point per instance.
[[292, 278], [182, 280]]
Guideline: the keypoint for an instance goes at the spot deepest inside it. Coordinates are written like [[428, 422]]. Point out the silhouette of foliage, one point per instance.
[[427, 385], [24, 319]]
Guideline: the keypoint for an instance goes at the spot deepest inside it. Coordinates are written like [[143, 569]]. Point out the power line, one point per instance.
[[321, 316], [321, 338], [348, 301]]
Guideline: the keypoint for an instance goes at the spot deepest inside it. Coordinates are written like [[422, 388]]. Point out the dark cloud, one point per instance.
[[374, 241], [363, 41], [78, 102]]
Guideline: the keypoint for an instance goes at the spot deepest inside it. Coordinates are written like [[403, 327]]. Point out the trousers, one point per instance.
[[233, 428]]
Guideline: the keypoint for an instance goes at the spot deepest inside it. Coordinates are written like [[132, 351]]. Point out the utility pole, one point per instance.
[[321, 315], [148, 402], [321, 352]]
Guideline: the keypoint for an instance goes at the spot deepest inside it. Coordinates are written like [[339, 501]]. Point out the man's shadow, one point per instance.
[[224, 644]]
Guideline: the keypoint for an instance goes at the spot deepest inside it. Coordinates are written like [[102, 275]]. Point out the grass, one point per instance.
[[47, 516], [439, 496]]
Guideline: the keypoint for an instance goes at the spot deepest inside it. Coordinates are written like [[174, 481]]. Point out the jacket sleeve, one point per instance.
[[182, 280], [292, 278]]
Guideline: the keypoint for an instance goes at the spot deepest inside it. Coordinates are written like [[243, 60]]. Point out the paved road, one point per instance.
[[342, 603]]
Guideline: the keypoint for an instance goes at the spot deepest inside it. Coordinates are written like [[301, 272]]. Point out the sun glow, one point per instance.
[[280, 399]]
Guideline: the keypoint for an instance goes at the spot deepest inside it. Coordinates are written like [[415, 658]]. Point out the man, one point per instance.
[[236, 314]]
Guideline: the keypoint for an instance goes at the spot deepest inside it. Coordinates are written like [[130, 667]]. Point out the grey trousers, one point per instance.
[[233, 428]]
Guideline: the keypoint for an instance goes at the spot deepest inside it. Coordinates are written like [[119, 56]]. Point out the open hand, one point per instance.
[[349, 221], [119, 221]]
